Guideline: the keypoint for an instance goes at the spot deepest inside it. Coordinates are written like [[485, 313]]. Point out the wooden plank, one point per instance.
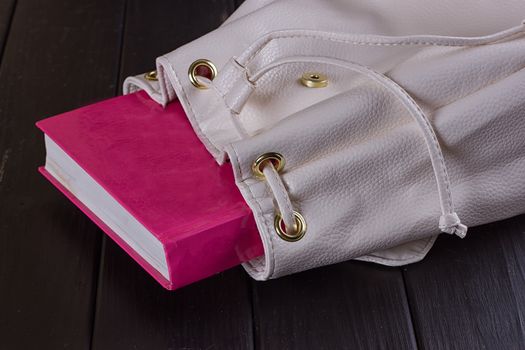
[[133, 311], [158, 27], [6, 11], [352, 305], [469, 294], [59, 55]]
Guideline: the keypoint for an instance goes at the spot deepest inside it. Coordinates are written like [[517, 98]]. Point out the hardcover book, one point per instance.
[[141, 174]]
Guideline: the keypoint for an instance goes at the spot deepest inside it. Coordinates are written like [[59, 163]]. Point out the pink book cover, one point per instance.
[[150, 161]]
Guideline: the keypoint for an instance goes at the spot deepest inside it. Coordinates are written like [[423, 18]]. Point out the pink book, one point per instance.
[[142, 175]]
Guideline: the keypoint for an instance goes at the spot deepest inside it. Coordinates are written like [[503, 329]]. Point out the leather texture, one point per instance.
[[357, 166]]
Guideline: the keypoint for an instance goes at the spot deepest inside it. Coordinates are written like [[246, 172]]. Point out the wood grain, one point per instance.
[[154, 28], [133, 311], [469, 294], [59, 55], [352, 305], [63, 286], [7, 8]]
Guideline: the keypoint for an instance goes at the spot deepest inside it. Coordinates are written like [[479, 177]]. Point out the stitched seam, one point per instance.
[[238, 127], [434, 110], [164, 87], [364, 43], [162, 84], [429, 128], [187, 100], [258, 269], [223, 95], [434, 141], [375, 258], [265, 221]]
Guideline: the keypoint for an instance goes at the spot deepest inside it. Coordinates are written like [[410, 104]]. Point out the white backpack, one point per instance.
[[359, 129]]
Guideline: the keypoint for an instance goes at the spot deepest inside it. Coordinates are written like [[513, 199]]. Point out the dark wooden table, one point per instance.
[[64, 285]]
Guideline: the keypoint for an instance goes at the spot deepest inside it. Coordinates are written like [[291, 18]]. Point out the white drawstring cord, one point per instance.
[[280, 194], [449, 221]]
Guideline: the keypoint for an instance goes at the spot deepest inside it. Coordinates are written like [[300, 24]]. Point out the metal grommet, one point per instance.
[[314, 80], [193, 74], [152, 76], [299, 230], [277, 160]]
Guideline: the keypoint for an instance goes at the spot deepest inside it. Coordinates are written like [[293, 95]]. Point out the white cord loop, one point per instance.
[[449, 221], [280, 194]]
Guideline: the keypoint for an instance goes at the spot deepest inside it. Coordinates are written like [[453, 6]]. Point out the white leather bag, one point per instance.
[[359, 129]]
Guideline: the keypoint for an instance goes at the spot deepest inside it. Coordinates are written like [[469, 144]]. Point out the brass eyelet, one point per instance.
[[299, 230], [277, 160], [152, 76], [314, 80], [192, 72]]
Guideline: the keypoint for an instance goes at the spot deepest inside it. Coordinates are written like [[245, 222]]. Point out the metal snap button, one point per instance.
[[314, 80]]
